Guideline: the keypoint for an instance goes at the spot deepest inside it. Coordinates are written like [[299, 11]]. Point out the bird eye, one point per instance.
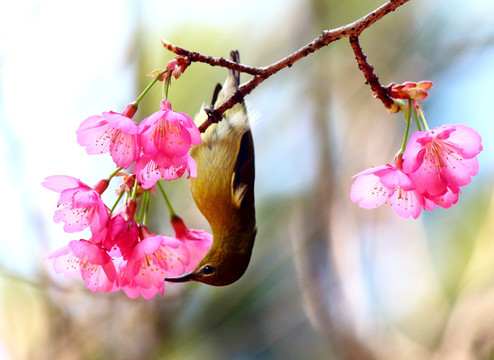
[[207, 270]]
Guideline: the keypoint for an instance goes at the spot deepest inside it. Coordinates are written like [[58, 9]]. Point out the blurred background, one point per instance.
[[327, 280]]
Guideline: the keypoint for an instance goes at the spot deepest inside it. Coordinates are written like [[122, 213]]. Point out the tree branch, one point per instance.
[[352, 30], [381, 92]]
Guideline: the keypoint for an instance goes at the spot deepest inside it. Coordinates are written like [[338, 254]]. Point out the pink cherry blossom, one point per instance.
[[152, 259], [151, 169], [388, 184], [442, 158], [111, 132], [88, 260], [79, 205], [168, 132], [123, 232], [148, 173], [174, 168], [446, 200], [134, 292], [197, 242]]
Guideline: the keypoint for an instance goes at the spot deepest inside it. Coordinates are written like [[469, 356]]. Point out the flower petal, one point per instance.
[[95, 134], [59, 183], [466, 141], [406, 203], [369, 192], [121, 122]]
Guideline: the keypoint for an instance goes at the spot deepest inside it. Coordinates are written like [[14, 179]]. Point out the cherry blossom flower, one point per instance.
[[152, 259], [388, 184], [148, 173], [111, 132], [79, 205], [443, 158], [133, 292], [446, 200], [168, 132], [197, 242], [123, 232], [430, 172], [165, 138], [150, 170], [90, 261]]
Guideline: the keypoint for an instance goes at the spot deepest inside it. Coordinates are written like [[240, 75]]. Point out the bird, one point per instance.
[[224, 189]]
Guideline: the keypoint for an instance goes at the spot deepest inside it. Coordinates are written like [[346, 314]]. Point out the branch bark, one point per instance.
[[352, 30], [381, 92]]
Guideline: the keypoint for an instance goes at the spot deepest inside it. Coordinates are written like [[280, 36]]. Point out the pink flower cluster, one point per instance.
[[158, 147], [121, 253], [430, 172]]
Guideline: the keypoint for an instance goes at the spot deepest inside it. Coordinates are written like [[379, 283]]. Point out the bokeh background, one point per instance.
[[327, 280]]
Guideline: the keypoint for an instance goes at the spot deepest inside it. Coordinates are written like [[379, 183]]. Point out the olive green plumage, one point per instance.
[[224, 191]]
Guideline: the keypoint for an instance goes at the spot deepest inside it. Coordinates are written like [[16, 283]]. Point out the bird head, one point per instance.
[[219, 267]]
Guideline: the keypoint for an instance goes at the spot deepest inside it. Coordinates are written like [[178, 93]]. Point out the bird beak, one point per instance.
[[182, 278]]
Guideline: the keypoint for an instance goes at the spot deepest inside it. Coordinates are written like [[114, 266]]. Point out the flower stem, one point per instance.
[[166, 85], [134, 190], [417, 119], [145, 91], [147, 198], [422, 118], [117, 201], [408, 116], [143, 212], [170, 208], [114, 173]]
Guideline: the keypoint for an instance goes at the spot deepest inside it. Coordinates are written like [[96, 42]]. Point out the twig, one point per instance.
[[352, 30], [381, 92]]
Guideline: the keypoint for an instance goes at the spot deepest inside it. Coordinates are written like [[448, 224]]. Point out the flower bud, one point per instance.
[[130, 110], [397, 106], [101, 186]]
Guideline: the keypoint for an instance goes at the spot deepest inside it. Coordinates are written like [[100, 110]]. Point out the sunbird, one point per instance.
[[224, 190]]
